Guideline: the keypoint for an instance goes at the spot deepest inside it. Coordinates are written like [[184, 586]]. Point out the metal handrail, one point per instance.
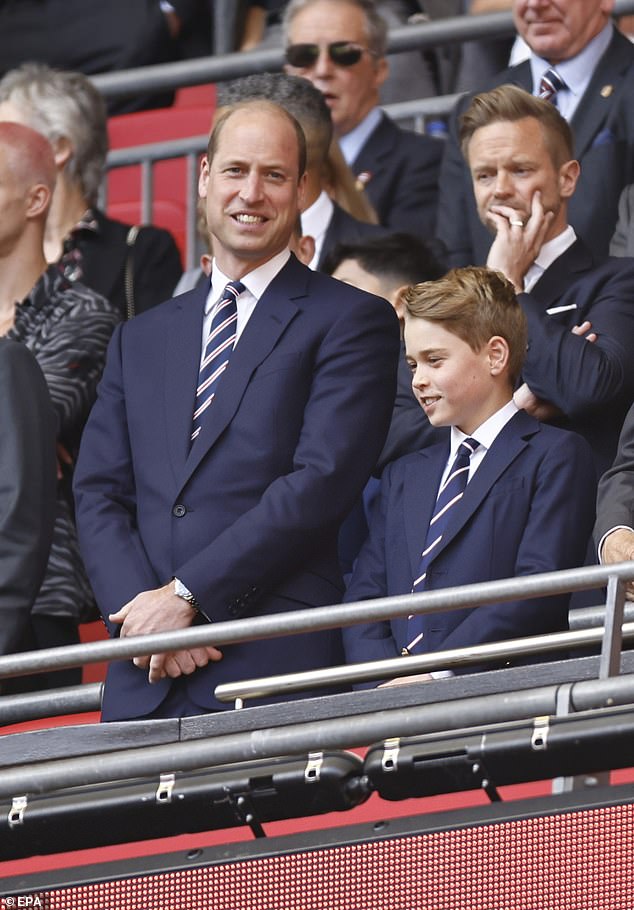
[[229, 66], [414, 664], [318, 618]]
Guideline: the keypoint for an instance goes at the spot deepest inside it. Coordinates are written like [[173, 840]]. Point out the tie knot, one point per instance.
[[232, 290], [551, 83], [468, 446]]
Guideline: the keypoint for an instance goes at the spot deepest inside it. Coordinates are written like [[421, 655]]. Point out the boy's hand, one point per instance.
[[406, 680]]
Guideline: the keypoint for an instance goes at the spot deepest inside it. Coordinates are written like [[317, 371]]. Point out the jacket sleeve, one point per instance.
[[27, 487], [565, 369]]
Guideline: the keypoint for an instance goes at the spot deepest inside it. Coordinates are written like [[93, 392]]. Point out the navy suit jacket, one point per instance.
[[615, 498], [603, 127], [248, 517], [529, 508], [591, 383], [399, 170]]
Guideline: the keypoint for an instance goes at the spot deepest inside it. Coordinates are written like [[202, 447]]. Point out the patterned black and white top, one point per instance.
[[67, 326]]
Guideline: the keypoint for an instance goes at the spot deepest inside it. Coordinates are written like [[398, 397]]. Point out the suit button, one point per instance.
[[179, 510], [232, 610]]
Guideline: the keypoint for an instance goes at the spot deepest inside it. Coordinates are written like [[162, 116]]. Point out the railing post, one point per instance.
[[610, 662]]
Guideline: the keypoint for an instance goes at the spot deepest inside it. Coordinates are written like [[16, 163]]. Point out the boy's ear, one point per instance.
[[497, 354]]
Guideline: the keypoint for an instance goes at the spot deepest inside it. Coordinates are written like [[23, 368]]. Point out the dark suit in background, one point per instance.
[[592, 383], [344, 228], [399, 171], [248, 517], [529, 508], [603, 127], [27, 487], [615, 499]]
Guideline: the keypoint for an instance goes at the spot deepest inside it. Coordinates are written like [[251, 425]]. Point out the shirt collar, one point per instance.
[[553, 249], [316, 218], [577, 71], [256, 282], [487, 431], [352, 143]]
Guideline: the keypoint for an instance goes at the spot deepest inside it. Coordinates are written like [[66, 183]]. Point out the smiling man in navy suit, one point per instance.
[[235, 426], [507, 496]]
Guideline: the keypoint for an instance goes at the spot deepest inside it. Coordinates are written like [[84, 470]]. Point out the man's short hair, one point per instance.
[[296, 95], [474, 303], [509, 103], [376, 26], [227, 112], [395, 259], [63, 105]]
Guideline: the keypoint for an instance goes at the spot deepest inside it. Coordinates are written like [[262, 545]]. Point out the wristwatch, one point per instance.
[[181, 591]]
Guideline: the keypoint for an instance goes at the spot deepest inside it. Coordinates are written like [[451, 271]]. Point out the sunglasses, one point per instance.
[[342, 53]]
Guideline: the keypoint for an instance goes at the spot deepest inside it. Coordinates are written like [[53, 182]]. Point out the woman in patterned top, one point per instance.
[[67, 327]]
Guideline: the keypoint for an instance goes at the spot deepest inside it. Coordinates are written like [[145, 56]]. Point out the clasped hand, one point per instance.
[[161, 610]]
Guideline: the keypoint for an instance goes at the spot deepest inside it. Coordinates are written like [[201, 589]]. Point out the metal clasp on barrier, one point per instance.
[[17, 810], [539, 738], [165, 787], [312, 772], [391, 747]]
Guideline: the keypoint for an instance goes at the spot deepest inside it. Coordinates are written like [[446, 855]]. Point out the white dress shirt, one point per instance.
[[255, 282]]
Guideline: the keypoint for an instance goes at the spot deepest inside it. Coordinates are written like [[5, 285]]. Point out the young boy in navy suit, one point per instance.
[[508, 496]]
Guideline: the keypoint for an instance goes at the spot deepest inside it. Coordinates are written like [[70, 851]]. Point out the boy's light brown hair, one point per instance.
[[475, 304]]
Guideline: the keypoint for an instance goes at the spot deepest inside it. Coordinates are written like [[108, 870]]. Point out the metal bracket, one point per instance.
[[539, 738], [17, 810], [312, 771], [242, 805], [391, 748], [165, 788]]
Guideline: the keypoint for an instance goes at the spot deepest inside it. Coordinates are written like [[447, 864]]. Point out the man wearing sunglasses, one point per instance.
[[340, 45]]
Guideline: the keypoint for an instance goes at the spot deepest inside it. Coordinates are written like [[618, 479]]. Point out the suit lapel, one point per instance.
[[602, 94], [420, 489], [273, 312], [181, 371], [506, 447], [558, 276]]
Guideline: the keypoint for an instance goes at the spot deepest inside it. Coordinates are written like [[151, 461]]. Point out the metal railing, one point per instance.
[[341, 615]]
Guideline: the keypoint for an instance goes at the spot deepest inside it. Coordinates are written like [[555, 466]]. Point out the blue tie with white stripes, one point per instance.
[[218, 349], [551, 83], [450, 493]]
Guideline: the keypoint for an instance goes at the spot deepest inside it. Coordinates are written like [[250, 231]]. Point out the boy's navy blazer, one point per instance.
[[248, 516], [528, 508]]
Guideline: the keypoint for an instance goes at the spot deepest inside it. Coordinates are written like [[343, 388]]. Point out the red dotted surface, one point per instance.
[[576, 861]]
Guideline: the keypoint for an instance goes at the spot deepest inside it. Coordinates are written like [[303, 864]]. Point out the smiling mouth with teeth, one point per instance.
[[249, 219]]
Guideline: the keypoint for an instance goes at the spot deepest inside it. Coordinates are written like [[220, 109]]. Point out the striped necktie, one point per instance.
[[550, 83], [450, 493], [220, 343]]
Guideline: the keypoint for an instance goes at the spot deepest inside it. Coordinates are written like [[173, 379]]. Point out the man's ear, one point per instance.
[[568, 176], [62, 152], [203, 177], [37, 200], [497, 354], [397, 301], [381, 71]]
